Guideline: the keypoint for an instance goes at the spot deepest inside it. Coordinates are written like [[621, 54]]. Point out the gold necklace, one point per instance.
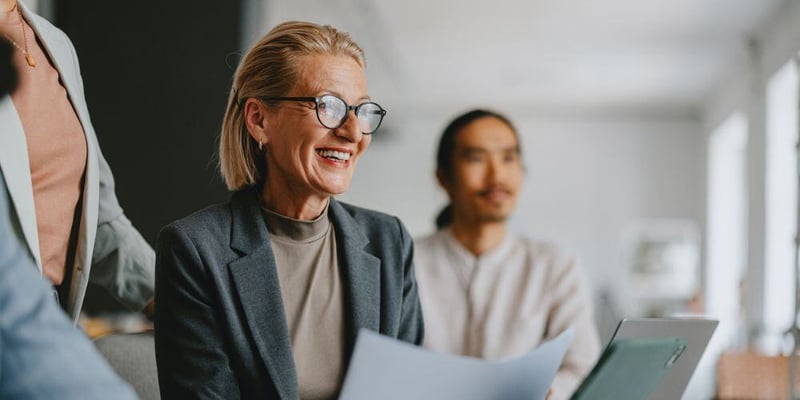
[[25, 52]]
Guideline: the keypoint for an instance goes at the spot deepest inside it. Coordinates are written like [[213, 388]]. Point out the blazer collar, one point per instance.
[[256, 280]]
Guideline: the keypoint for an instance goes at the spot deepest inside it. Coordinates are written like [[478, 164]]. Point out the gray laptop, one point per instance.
[[696, 331]]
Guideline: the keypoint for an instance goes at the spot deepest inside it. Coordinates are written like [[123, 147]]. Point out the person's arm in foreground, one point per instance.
[[42, 355]]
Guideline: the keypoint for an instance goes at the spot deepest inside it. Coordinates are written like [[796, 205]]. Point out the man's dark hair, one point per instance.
[[446, 152], [8, 73]]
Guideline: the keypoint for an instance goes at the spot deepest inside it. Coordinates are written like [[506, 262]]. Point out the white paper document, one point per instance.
[[387, 369]]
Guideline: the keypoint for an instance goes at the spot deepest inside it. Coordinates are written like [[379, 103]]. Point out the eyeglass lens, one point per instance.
[[332, 111]]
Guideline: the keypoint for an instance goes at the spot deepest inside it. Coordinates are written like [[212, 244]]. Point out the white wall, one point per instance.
[[586, 179]]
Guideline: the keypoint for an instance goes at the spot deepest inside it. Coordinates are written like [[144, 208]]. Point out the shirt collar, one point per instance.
[[467, 258]]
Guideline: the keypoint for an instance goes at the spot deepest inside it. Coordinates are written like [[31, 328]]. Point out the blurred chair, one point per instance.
[[133, 357], [747, 375]]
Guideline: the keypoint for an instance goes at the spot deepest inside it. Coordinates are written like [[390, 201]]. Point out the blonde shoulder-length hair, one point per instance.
[[271, 69]]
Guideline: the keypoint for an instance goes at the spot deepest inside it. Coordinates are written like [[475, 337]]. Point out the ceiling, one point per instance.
[[549, 54]]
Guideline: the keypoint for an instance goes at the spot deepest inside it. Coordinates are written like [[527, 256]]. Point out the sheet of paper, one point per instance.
[[387, 369]]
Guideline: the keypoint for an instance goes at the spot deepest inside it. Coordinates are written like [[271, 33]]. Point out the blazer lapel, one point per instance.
[[361, 273], [256, 283], [14, 165]]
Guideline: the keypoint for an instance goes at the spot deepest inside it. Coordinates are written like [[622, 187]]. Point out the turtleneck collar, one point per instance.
[[283, 227]]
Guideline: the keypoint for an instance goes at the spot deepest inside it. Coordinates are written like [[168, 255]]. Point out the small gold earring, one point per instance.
[[260, 145]]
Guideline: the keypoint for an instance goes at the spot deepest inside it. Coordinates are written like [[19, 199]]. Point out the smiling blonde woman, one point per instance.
[[262, 297]]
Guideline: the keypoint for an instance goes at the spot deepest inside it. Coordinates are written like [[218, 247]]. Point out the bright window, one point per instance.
[[781, 202], [727, 221]]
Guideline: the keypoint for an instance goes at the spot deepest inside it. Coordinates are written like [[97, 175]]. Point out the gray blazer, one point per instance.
[[220, 327]]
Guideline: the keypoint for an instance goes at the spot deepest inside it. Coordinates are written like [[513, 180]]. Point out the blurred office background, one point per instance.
[[659, 136]]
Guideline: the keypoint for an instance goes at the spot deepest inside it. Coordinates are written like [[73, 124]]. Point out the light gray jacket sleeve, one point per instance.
[[122, 261]]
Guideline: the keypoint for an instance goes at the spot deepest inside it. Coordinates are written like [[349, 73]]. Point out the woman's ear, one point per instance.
[[255, 118]]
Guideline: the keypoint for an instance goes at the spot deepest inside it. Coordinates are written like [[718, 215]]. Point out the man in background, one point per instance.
[[485, 292]]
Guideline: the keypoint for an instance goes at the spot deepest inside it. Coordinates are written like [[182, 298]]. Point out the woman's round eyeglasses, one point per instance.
[[332, 111]]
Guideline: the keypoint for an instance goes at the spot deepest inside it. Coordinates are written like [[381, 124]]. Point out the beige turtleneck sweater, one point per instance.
[[311, 288]]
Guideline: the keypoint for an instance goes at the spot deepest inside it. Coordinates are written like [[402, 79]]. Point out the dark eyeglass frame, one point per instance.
[[348, 107]]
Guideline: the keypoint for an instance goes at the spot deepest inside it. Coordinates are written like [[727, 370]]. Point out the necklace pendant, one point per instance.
[[30, 60]]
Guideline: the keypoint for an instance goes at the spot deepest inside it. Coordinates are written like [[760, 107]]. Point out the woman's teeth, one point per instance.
[[334, 155]]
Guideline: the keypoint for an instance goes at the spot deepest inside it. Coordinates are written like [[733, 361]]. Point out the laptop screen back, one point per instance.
[[696, 331]]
